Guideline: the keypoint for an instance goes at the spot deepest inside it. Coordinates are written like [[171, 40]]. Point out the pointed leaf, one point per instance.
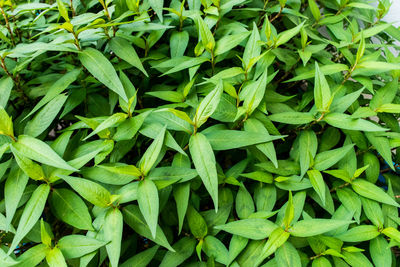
[[152, 153], [91, 191], [113, 225], [313, 227], [371, 191], [99, 66], [70, 208], [204, 162], [31, 214], [123, 49], [149, 203], [37, 150], [75, 246]]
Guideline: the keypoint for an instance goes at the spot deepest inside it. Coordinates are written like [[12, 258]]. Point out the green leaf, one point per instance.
[[361, 49], [157, 6], [308, 145], [6, 125], [6, 85], [327, 159], [184, 248], [111, 121], [322, 93], [373, 211], [292, 117], [371, 191], [170, 96], [389, 108], [289, 212], [37, 150], [204, 162], [31, 214], [321, 262], [256, 229], [113, 225], [313, 227], [55, 258], [287, 255], [227, 42], [134, 218], [351, 201], [127, 129], [205, 34], [181, 194], [63, 10], [149, 203], [174, 119], [71, 209], [186, 64], [236, 245], [385, 95], [56, 89], [314, 9], [153, 129], [117, 174], [368, 68], [76, 246], [257, 90], [261, 176], [373, 171], [346, 122], [340, 105], [326, 70], [285, 36], [45, 116], [178, 43], [268, 149], [13, 192], [363, 112], [252, 48], [359, 233], [45, 236], [244, 203], [171, 174], [391, 232], [123, 49], [33, 256], [380, 252], [141, 259], [382, 145], [197, 224], [128, 193], [277, 238], [208, 105], [214, 248], [99, 66], [318, 183], [230, 139], [251, 254], [149, 158], [286, 167], [91, 191], [356, 259], [32, 169]]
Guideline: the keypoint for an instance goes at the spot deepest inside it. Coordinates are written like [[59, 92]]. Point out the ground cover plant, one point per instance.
[[198, 133]]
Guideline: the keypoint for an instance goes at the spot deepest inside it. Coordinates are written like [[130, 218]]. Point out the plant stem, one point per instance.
[[8, 26], [72, 8], [277, 15]]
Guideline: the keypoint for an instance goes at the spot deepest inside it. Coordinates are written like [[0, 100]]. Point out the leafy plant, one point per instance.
[[199, 133]]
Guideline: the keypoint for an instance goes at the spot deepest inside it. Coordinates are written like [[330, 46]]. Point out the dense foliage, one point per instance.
[[198, 133]]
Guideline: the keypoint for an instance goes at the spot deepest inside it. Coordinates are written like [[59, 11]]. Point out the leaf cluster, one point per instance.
[[198, 133]]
